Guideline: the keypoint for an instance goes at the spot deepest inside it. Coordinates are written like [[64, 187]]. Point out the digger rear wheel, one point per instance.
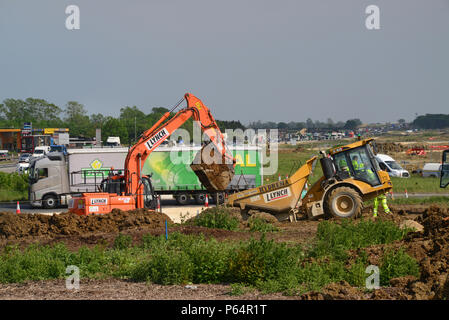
[[344, 202]]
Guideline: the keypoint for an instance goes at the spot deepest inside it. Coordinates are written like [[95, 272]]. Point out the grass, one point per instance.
[[289, 162], [417, 184], [12, 195], [261, 264], [335, 239], [13, 186], [444, 200], [260, 225]]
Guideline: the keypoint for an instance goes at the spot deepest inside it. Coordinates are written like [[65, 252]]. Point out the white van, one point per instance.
[[431, 170], [393, 168], [41, 151]]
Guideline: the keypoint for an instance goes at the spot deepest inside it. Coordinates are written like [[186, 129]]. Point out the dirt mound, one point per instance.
[[388, 147], [431, 250], [268, 218], [335, 291], [13, 226]]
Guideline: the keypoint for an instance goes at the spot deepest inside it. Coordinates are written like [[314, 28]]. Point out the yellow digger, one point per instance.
[[351, 175]]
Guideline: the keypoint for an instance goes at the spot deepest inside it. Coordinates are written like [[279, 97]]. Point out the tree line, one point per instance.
[[432, 121], [309, 124], [132, 121], [129, 125]]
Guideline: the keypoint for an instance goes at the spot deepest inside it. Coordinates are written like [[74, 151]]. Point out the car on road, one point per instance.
[[41, 151], [4, 155], [25, 157]]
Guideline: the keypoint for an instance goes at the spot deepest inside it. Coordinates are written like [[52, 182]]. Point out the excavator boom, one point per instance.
[[213, 165]]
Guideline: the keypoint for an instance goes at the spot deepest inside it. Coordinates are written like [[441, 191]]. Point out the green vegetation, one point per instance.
[[397, 264], [260, 264], [289, 161], [13, 186], [335, 239], [216, 217], [426, 200], [417, 184], [260, 225], [432, 121]]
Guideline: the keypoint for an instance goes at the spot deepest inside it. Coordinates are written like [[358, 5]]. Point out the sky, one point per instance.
[[247, 60]]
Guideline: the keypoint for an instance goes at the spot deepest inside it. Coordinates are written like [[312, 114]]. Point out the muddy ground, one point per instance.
[[429, 247]]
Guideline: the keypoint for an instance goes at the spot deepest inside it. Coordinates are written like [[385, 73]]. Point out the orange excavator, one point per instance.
[[214, 164]]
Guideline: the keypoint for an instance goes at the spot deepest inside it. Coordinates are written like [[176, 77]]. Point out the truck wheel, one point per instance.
[[50, 201], [182, 199], [200, 198], [221, 197], [344, 202]]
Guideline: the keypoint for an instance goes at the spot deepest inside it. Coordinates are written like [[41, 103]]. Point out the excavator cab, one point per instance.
[[115, 185], [149, 197]]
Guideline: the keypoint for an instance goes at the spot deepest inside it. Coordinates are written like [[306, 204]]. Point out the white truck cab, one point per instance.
[[390, 165]]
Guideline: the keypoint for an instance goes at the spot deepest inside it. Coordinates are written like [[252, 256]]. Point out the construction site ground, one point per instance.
[[429, 248]]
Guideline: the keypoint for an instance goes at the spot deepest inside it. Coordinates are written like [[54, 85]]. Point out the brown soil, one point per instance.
[[430, 248], [388, 147]]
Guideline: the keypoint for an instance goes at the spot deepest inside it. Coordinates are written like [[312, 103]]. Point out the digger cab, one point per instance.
[[358, 163], [351, 175], [115, 185]]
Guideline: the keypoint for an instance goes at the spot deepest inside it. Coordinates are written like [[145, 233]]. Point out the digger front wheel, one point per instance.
[[344, 202]]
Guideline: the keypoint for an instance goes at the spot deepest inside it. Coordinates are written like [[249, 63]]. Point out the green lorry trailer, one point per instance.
[[172, 175], [81, 170]]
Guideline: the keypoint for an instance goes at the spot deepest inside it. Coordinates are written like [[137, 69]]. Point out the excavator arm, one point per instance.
[[213, 166]]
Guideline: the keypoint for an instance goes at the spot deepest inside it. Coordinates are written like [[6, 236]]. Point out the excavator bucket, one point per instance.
[[211, 168]]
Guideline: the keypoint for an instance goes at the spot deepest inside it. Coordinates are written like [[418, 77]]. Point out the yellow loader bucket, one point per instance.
[[212, 170]]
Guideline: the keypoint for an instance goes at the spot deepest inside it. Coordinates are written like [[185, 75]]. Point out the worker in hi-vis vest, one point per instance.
[[383, 199], [343, 165], [360, 167], [356, 164]]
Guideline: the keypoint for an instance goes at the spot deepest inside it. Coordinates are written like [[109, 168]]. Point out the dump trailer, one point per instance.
[[279, 198], [351, 175]]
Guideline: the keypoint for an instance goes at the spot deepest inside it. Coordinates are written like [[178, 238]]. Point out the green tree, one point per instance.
[[113, 127], [432, 121], [352, 124], [77, 120], [134, 121]]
